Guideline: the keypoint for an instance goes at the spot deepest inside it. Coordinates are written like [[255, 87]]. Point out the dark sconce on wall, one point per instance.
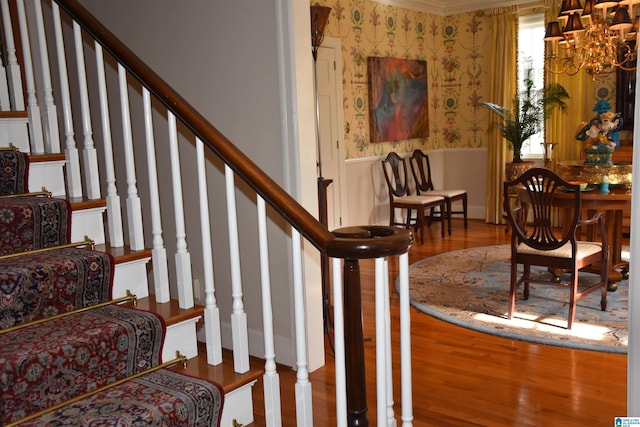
[[319, 18]]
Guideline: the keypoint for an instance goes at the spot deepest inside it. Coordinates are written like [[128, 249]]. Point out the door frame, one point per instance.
[[336, 45]]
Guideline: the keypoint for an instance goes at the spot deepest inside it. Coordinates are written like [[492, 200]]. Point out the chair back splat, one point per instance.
[[536, 241]]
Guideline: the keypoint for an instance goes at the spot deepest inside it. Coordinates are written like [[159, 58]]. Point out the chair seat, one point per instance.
[[585, 249], [446, 193], [424, 200]]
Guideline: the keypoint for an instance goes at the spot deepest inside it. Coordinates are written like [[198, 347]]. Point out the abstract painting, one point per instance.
[[398, 107]]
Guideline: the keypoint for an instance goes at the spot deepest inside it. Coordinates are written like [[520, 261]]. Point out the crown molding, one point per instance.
[[448, 7]]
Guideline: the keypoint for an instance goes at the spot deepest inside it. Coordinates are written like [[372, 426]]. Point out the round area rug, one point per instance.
[[470, 288]]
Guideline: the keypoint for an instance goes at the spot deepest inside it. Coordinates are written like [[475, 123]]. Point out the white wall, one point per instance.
[[367, 196], [226, 58]]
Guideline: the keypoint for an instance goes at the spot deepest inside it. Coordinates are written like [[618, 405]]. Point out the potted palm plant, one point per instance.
[[531, 107]]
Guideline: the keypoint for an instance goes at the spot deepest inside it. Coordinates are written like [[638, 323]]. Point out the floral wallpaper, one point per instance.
[[457, 51], [456, 66]]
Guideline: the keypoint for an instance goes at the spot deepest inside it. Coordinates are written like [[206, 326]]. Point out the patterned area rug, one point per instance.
[[470, 288]]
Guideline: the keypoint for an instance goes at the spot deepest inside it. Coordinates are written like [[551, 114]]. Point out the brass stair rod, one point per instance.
[[11, 147], [179, 359], [86, 242], [43, 192], [128, 297]]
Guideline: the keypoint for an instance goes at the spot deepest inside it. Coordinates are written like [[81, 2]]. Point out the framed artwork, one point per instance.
[[398, 107]]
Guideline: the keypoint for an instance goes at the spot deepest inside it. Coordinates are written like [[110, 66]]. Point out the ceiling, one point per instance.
[[449, 7]]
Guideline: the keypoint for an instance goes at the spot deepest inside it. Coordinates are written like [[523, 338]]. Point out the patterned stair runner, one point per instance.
[[51, 362], [38, 285], [28, 223], [66, 357], [160, 398], [14, 172]]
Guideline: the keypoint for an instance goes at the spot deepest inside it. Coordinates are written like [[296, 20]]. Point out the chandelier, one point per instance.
[[598, 38]]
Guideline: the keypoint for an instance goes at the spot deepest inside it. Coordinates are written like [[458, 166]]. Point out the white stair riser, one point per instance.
[[181, 337], [49, 175], [131, 276], [15, 131], [88, 222], [237, 404]]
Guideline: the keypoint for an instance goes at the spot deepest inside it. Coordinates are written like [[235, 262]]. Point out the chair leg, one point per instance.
[[572, 297], [464, 210], [527, 277], [448, 204], [512, 289], [420, 223]]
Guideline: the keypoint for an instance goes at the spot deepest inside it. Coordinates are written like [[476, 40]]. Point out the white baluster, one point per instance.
[[50, 115], [338, 339], [271, 380], [391, 420], [183, 258], [89, 156], [33, 109], [405, 341], [114, 211], [211, 310], [304, 406], [13, 69], [238, 316], [159, 252], [381, 343], [134, 210], [74, 180]]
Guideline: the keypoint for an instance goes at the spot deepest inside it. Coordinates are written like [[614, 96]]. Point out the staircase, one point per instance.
[[142, 170]]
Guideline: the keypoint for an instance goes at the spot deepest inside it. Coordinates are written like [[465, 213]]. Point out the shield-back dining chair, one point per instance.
[[400, 197], [421, 170], [558, 248]]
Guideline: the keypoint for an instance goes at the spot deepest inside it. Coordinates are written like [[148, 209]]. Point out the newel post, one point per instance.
[[353, 244]]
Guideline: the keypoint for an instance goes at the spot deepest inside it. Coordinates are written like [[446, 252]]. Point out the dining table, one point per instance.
[[612, 204]]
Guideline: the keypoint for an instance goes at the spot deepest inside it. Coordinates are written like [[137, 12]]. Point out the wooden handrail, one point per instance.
[[396, 242]]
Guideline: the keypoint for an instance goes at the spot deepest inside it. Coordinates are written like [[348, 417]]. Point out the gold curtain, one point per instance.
[[561, 127], [503, 88]]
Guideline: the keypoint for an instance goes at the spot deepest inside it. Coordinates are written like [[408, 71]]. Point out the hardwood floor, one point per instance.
[[467, 378]]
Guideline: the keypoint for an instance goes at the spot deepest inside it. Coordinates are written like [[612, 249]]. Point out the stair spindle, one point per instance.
[[13, 68]]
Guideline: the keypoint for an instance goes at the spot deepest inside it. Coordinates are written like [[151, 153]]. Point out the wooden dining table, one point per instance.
[[612, 204]]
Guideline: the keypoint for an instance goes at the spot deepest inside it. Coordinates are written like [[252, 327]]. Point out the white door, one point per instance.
[[331, 135]]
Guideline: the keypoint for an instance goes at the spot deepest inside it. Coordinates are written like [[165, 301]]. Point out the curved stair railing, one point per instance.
[[91, 94]]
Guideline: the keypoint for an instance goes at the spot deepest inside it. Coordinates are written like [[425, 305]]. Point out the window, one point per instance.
[[531, 55]]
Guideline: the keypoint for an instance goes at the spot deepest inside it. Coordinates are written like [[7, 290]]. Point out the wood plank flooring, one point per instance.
[[467, 378]]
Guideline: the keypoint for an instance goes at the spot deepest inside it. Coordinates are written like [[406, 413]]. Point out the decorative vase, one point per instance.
[[514, 170], [598, 156]]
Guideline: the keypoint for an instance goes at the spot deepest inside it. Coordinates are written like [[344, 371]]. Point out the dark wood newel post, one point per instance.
[[353, 244], [354, 346]]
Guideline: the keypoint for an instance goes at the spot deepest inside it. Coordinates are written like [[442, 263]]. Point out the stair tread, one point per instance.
[[43, 158], [23, 114], [80, 203], [170, 311], [124, 253], [223, 373]]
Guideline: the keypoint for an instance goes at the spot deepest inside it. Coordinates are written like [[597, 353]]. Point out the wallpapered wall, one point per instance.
[[457, 51]]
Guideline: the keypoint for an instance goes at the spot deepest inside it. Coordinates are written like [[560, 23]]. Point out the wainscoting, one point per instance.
[[367, 200]]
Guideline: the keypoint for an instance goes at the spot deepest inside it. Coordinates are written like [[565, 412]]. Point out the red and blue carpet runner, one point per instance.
[[38, 285], [14, 172], [49, 363], [28, 223], [160, 398]]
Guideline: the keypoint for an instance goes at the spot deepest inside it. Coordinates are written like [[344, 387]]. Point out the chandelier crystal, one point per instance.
[[599, 37]]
